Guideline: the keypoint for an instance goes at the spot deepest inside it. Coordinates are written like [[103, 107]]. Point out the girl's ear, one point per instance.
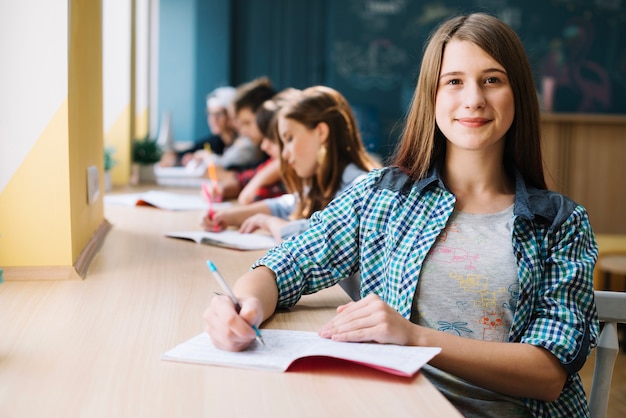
[[322, 130]]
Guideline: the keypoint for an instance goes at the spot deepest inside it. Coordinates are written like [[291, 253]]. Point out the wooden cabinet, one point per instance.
[[585, 159]]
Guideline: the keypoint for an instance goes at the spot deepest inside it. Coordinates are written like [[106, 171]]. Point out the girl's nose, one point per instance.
[[473, 97]]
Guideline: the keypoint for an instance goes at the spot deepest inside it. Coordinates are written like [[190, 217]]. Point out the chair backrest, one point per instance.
[[611, 310]]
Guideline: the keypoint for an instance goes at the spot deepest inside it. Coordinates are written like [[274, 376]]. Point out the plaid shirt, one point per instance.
[[265, 192], [385, 225]]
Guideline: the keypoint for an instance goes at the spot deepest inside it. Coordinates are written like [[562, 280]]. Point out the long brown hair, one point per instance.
[[266, 114], [344, 146], [422, 143]]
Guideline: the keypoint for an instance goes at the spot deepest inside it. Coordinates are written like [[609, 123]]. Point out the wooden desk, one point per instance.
[[92, 348]]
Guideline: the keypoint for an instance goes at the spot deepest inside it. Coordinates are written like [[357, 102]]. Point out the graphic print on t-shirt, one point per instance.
[[473, 266]]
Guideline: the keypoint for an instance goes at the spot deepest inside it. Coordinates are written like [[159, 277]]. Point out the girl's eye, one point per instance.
[[492, 80], [454, 81]]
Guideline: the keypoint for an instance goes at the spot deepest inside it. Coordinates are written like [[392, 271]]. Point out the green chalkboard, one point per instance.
[[577, 49]]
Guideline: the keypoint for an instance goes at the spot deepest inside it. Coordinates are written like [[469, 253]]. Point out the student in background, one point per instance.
[[322, 155], [245, 151], [459, 243], [221, 124], [264, 181]]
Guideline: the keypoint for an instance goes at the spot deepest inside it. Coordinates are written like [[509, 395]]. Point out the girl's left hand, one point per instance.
[[368, 320], [254, 222]]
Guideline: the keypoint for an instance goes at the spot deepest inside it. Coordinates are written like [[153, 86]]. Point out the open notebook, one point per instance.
[[283, 348], [228, 239], [163, 200]]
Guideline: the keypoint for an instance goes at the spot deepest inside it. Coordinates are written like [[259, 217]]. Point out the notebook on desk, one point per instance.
[[284, 347], [228, 239], [163, 200]]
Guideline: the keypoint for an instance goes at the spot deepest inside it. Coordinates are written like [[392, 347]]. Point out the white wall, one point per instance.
[[116, 32], [33, 79]]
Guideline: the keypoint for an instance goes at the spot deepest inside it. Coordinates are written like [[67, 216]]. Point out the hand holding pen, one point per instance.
[[211, 171], [232, 297], [210, 221]]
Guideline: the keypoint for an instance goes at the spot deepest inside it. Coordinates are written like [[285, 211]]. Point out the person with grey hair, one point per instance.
[[223, 133]]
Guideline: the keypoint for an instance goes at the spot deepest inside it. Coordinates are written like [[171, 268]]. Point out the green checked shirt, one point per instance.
[[385, 225]]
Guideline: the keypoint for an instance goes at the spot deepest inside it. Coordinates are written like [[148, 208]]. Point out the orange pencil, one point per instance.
[[209, 199], [212, 173]]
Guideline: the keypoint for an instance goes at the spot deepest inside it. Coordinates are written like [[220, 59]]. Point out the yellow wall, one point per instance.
[[85, 117], [35, 204]]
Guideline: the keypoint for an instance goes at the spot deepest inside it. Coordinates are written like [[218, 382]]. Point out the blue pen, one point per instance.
[[232, 296]]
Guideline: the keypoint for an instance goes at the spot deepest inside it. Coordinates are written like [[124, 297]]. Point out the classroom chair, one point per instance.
[[612, 266], [611, 311]]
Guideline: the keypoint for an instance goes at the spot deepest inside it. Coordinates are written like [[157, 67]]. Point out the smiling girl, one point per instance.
[[459, 243]]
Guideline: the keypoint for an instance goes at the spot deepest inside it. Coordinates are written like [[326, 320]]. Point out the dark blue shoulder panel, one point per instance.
[[394, 179], [553, 207]]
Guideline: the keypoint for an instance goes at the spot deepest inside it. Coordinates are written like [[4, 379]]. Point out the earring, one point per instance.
[[321, 154]]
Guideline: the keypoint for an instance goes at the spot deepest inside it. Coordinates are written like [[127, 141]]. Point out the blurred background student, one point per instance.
[[221, 123], [264, 181], [246, 151], [231, 116], [321, 155]]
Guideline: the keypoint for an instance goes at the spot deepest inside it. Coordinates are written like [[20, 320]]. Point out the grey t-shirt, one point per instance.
[[468, 286]]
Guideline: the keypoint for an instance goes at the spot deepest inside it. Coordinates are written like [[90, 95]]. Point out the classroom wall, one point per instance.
[[585, 159], [116, 59], [51, 131], [194, 58], [142, 68], [371, 51], [29, 96], [213, 52], [85, 122], [153, 63], [282, 39], [177, 26]]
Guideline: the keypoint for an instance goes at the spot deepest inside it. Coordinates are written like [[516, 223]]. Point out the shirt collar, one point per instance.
[[522, 206]]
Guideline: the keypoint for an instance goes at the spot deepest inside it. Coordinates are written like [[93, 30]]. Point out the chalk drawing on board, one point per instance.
[[378, 64], [586, 84], [367, 9]]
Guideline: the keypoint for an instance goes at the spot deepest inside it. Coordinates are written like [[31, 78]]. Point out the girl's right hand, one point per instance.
[[228, 329], [214, 221]]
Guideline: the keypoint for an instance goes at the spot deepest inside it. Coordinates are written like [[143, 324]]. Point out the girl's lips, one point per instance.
[[473, 122]]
